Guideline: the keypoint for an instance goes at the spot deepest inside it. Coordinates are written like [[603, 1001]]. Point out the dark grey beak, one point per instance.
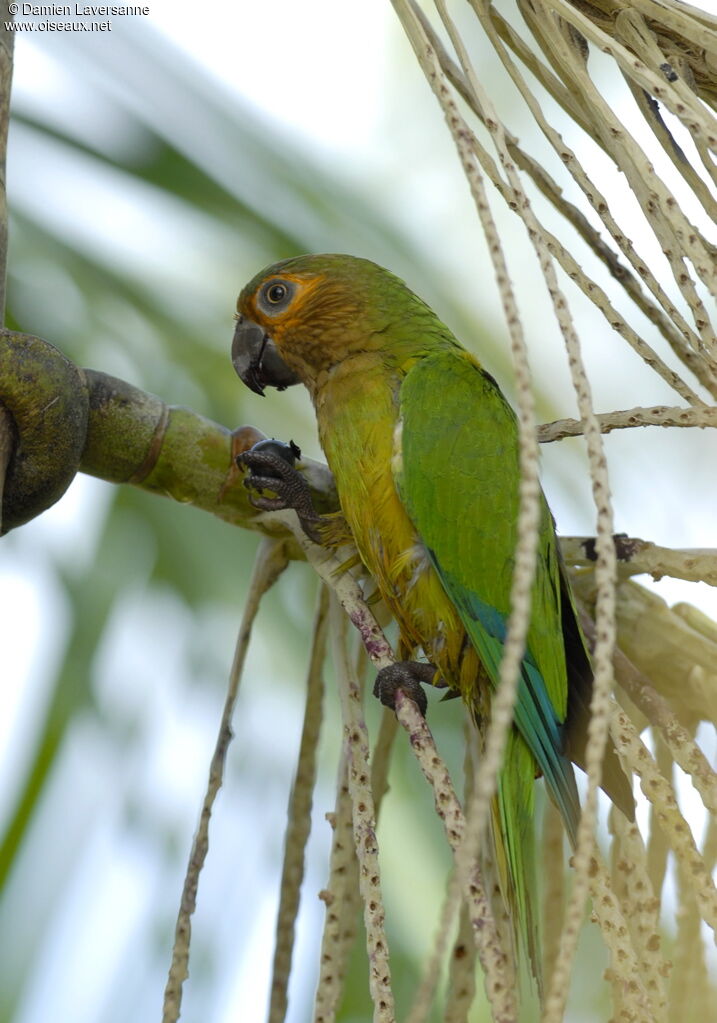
[[256, 359]]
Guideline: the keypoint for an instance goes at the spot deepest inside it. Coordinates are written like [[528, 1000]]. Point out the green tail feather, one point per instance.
[[514, 840]]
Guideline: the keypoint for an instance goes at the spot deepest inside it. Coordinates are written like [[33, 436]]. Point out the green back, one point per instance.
[[458, 478]]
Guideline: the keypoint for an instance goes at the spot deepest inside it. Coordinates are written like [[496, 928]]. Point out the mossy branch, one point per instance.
[[70, 420]]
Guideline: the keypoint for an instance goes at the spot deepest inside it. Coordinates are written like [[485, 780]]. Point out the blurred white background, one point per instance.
[[333, 91]]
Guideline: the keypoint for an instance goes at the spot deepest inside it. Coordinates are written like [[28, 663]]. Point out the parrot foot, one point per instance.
[[408, 676], [271, 467]]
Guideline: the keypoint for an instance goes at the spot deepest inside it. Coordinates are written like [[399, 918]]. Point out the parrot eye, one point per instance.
[[276, 294]]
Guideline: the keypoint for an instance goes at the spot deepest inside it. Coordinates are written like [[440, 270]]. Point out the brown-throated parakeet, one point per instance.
[[424, 449]]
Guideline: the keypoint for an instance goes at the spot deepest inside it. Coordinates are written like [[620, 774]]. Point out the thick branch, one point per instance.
[[69, 420]]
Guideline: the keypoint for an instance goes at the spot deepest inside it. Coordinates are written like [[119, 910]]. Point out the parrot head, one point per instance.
[[299, 317]]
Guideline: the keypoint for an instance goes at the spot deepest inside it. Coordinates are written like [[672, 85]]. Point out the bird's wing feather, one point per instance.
[[457, 473], [458, 476]]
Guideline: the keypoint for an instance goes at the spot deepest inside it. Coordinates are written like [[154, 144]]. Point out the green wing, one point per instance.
[[458, 478]]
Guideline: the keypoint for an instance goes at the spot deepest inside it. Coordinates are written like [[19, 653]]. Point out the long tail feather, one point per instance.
[[514, 842]]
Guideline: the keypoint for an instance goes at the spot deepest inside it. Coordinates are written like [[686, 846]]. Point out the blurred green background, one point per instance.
[[152, 171]]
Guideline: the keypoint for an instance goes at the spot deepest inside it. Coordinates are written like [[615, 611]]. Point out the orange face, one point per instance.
[[299, 317], [277, 307], [278, 302]]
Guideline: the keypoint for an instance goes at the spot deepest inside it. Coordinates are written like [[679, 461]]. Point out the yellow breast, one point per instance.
[[357, 411]]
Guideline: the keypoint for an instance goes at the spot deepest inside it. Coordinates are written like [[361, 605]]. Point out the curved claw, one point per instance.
[[261, 502], [271, 471], [409, 677]]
